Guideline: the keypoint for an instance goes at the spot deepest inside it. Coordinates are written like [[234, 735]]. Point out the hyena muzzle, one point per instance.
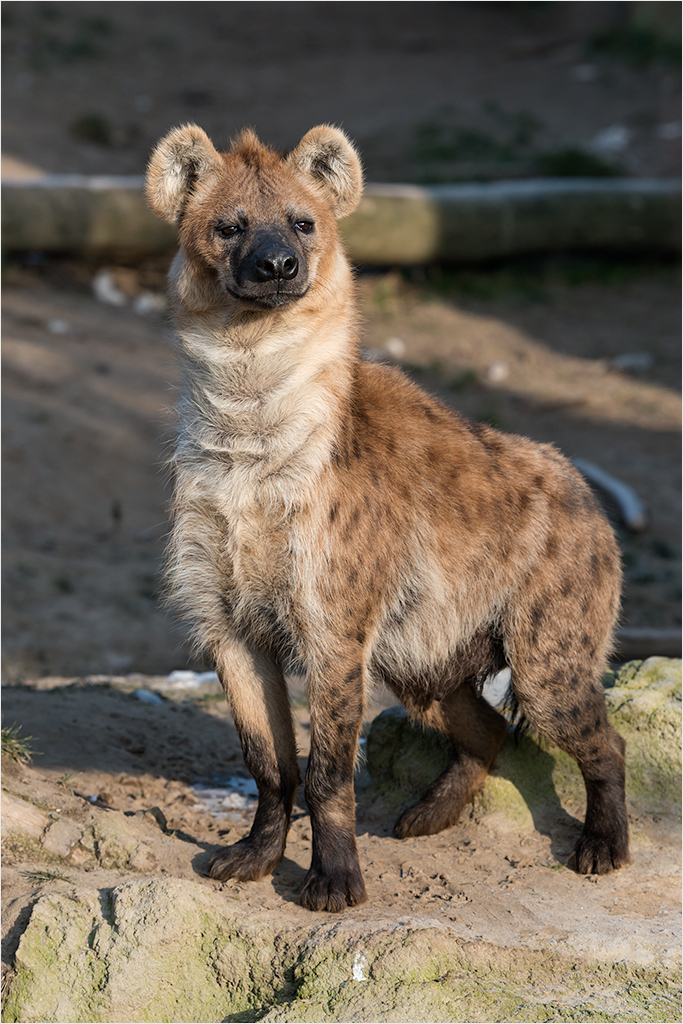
[[329, 514]]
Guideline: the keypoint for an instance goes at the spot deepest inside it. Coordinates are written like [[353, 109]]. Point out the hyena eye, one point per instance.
[[304, 226], [227, 230]]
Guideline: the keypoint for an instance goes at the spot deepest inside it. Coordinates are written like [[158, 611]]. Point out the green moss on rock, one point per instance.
[[533, 779], [168, 950], [644, 701]]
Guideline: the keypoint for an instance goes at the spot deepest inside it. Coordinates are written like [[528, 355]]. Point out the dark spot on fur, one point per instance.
[[430, 413], [333, 512], [537, 615], [352, 676], [551, 546]]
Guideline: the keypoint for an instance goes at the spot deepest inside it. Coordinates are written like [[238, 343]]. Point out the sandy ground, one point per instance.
[[105, 747]]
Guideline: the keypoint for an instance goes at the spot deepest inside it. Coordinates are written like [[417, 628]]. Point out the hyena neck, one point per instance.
[[265, 393]]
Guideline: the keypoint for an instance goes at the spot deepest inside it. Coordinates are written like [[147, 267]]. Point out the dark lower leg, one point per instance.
[[604, 843], [565, 702], [334, 879], [261, 851]]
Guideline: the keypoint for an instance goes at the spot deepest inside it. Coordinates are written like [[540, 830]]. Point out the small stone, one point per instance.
[[148, 302], [61, 837], [149, 697], [59, 326], [634, 362], [614, 139], [396, 348], [106, 290], [497, 372], [154, 815]]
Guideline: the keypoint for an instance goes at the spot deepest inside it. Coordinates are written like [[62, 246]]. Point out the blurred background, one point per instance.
[[582, 350], [430, 91]]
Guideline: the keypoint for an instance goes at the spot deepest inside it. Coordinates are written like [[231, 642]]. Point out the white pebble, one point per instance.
[[183, 679], [148, 697], [396, 347], [359, 964], [58, 326], [634, 362], [497, 372], [612, 140], [106, 290], [148, 302]]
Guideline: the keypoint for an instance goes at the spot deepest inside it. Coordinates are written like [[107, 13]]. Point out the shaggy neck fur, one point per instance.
[[264, 391]]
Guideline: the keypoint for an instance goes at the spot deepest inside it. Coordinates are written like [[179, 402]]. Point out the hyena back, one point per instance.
[[327, 511]]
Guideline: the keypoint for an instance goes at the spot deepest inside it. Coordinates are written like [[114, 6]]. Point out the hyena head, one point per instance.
[[257, 228]]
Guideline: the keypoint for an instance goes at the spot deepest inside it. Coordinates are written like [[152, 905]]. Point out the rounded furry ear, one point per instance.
[[326, 155], [179, 162]]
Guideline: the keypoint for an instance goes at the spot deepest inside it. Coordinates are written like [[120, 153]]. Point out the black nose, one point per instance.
[[276, 264]]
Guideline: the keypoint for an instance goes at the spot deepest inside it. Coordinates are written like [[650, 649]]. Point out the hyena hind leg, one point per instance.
[[477, 732], [566, 704]]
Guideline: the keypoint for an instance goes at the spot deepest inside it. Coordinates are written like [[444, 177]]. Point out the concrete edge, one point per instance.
[[395, 224]]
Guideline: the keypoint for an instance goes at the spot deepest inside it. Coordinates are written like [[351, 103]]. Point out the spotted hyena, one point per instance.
[[329, 513]]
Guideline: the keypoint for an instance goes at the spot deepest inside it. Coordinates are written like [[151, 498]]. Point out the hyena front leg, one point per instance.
[[477, 732], [257, 694], [334, 880]]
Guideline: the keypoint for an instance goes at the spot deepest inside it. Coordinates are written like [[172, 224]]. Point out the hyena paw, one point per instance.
[[598, 854], [423, 820], [246, 861], [335, 891]]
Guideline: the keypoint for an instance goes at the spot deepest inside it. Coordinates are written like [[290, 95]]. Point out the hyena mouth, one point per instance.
[[273, 299]]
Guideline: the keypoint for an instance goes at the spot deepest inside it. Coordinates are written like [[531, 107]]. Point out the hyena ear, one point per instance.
[[183, 158], [326, 155]]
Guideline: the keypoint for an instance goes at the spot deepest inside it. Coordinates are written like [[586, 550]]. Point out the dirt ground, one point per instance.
[[89, 388], [107, 752], [88, 396]]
